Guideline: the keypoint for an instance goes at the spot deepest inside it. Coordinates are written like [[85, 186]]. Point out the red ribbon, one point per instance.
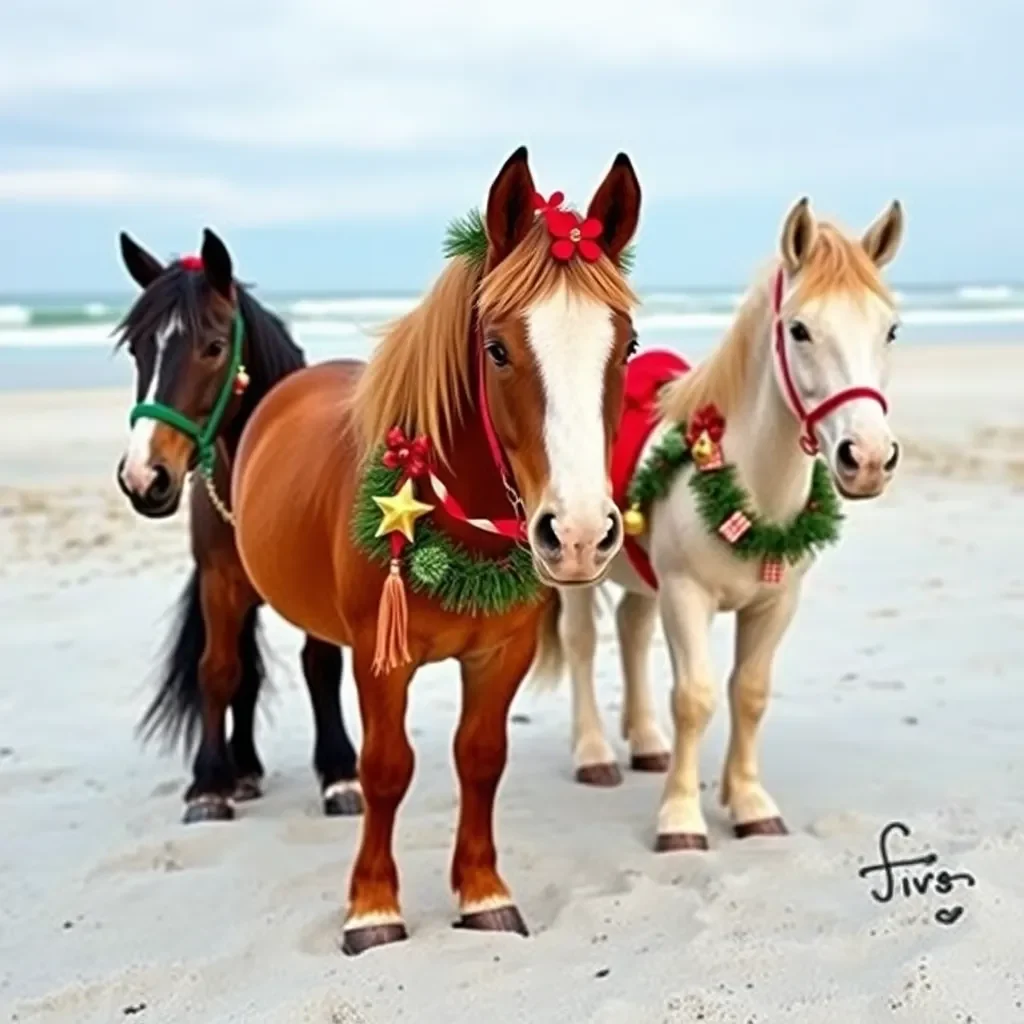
[[413, 457], [191, 262]]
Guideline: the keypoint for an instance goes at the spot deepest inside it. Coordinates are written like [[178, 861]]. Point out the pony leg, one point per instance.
[[227, 600], [385, 770], [686, 610], [758, 632], [248, 767], [489, 683], [592, 755], [648, 748], [334, 757]]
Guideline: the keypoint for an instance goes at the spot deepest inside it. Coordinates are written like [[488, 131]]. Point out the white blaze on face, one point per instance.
[[848, 349], [137, 472], [572, 340]]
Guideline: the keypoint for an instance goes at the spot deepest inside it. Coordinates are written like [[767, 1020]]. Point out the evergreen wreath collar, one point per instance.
[[434, 564], [723, 504]]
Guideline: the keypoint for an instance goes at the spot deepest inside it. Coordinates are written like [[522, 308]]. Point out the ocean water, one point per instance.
[[67, 341]]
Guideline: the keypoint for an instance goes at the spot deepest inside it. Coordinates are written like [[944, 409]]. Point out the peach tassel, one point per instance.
[[392, 624]]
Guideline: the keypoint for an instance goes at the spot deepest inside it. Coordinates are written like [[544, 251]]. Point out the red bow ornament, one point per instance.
[[411, 456], [191, 263], [703, 434]]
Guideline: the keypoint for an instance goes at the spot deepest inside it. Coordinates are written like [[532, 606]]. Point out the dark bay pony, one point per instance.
[[512, 366], [206, 354]]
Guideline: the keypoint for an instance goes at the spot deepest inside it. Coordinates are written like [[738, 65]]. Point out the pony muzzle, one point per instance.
[[571, 549]]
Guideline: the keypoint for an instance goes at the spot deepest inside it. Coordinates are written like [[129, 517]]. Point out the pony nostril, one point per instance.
[[160, 489], [544, 536], [846, 457], [894, 458], [611, 538]]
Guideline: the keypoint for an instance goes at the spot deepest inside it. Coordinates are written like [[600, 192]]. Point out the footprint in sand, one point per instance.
[[198, 851]]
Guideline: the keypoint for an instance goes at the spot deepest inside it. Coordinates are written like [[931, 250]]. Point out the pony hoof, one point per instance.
[[501, 919], [765, 827], [343, 800], [208, 808], [605, 775], [247, 788], [670, 842], [359, 940], [650, 762]]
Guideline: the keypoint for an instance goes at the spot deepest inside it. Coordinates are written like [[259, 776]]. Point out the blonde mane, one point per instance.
[[835, 264], [419, 376]]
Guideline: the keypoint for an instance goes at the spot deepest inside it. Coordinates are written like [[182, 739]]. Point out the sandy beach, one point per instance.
[[897, 698]]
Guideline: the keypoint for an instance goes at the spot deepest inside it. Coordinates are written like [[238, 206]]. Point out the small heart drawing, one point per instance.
[[949, 915]]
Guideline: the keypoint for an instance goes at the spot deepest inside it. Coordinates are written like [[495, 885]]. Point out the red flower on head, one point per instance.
[[552, 203], [191, 262], [709, 419], [411, 456], [574, 235]]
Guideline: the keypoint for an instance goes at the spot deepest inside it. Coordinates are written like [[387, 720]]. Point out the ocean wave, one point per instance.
[[985, 293], [14, 316], [374, 308]]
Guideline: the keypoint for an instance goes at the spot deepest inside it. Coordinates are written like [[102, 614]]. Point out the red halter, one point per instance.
[[515, 529], [809, 420]]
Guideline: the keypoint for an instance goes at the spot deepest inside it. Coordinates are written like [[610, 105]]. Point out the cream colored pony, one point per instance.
[[803, 369]]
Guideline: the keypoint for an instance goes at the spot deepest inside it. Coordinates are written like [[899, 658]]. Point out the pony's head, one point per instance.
[[555, 336], [185, 336], [528, 346], [835, 321]]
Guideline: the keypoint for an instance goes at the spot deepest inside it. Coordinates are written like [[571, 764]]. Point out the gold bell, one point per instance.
[[241, 381], [633, 522]]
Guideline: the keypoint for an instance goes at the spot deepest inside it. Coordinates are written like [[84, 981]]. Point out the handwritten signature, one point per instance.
[[898, 874]]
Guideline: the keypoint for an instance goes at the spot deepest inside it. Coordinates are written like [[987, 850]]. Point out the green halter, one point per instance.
[[204, 436]]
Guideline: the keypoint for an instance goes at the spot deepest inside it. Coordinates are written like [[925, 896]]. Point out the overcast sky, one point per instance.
[[330, 140]]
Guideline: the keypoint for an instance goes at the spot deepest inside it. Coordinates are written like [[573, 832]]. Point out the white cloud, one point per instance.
[[294, 111], [226, 201]]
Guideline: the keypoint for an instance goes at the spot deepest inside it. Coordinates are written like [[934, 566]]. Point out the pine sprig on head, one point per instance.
[[466, 236], [627, 259]]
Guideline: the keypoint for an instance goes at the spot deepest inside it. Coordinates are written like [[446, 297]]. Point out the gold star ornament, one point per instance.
[[401, 511]]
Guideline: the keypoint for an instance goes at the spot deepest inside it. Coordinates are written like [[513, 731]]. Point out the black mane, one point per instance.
[[270, 352]]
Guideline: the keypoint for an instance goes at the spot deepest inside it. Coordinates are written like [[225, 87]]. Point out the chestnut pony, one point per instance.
[[520, 349], [206, 353]]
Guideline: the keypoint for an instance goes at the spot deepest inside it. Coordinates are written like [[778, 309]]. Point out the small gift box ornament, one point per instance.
[[772, 570], [734, 527]]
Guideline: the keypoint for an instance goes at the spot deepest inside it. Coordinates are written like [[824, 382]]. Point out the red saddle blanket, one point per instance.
[[645, 376]]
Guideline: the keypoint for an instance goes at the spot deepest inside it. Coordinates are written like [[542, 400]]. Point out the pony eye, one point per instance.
[[634, 344], [214, 349], [891, 336], [798, 332], [497, 352]]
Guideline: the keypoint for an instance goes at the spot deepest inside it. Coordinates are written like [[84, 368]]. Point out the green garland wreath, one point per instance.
[[719, 496], [467, 236], [439, 567]]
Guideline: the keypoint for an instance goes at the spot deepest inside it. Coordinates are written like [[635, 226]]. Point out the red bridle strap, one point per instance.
[[809, 420]]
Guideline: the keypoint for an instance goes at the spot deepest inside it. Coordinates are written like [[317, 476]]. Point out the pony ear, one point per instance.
[[143, 268], [799, 231], [882, 239], [616, 204], [509, 207], [217, 264]]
